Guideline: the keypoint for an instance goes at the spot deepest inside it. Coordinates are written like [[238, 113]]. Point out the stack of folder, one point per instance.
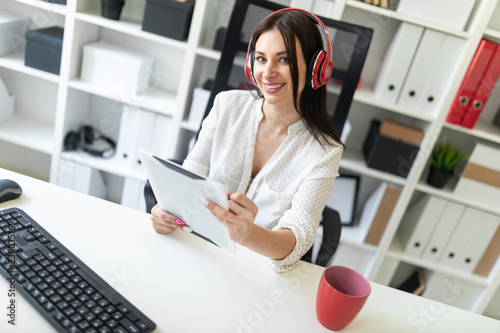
[[141, 129], [477, 85], [417, 68], [451, 234]]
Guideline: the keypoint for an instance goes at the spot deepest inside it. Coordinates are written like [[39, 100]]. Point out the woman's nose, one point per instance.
[[269, 70]]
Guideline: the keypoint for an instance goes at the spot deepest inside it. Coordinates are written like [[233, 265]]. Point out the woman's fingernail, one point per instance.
[[187, 229], [204, 201], [181, 222]]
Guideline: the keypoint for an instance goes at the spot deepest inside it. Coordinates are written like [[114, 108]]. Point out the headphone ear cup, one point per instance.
[[314, 69], [249, 67], [87, 133], [72, 141]]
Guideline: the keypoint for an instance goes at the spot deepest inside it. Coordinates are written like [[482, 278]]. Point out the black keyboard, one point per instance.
[[71, 296]]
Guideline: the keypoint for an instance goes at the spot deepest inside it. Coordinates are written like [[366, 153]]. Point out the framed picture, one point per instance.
[[344, 198]]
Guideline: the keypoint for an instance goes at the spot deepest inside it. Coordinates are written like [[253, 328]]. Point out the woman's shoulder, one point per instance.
[[235, 104], [238, 96]]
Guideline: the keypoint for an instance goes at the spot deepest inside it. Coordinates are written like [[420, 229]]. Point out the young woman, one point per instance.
[[275, 150]]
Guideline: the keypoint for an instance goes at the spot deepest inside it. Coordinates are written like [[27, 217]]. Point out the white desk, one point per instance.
[[185, 284]]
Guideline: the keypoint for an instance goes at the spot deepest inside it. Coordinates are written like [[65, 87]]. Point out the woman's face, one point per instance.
[[272, 71]]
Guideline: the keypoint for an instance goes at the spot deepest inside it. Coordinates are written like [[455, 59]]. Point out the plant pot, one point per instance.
[[111, 9], [438, 178]]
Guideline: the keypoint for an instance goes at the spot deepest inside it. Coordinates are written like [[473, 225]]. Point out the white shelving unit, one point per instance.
[[49, 106]]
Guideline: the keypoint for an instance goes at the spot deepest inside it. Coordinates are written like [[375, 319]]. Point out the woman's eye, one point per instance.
[[284, 60], [260, 59]]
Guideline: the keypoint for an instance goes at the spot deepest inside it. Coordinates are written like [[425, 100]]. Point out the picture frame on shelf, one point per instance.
[[344, 198]]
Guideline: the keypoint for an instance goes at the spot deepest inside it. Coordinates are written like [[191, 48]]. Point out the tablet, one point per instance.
[[178, 191]]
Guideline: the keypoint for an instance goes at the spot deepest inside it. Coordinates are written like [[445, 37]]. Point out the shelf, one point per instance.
[[156, 100], [190, 127], [406, 18], [111, 165], [447, 194], [355, 236], [48, 6], [208, 52], [396, 252], [354, 161], [130, 27], [29, 133], [15, 61], [492, 33], [366, 96], [483, 130]]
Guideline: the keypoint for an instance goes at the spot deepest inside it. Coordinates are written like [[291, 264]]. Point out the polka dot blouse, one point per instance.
[[289, 191]]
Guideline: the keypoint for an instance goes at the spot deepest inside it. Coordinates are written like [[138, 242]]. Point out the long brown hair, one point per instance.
[[312, 104]]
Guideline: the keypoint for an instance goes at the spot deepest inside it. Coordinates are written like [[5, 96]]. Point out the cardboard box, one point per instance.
[[481, 177], [116, 68], [400, 132], [388, 154], [168, 18], [11, 33], [44, 49]]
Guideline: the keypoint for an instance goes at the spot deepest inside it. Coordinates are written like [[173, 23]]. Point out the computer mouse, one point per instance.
[[9, 190]]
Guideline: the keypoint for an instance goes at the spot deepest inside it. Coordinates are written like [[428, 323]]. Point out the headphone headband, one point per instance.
[[320, 67]]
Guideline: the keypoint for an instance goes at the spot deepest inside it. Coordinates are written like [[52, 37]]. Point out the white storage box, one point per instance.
[[116, 68], [6, 103], [451, 13], [481, 178], [12, 29]]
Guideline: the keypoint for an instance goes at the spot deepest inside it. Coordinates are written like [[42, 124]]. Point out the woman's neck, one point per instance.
[[278, 119]]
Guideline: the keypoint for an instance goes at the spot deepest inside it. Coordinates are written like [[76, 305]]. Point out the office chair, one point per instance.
[[349, 76]]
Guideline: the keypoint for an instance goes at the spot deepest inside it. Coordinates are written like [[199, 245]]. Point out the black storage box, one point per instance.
[[168, 18], [386, 154], [44, 48]]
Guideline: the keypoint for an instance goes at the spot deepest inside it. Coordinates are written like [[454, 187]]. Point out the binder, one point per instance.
[[468, 223], [136, 127], [159, 139], [81, 178], [198, 106], [441, 234], [478, 242], [420, 68], [397, 61], [133, 194], [378, 210], [419, 223], [451, 290], [490, 256], [483, 91], [438, 80], [471, 81]]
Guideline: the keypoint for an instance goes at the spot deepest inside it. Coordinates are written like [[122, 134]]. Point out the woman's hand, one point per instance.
[[166, 223], [239, 218]]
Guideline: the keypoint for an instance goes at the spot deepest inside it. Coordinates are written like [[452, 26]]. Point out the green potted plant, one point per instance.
[[112, 9], [445, 158]]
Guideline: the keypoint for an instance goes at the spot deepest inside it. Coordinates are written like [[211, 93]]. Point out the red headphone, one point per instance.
[[320, 66]]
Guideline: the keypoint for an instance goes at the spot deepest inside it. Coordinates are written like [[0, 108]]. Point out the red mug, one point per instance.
[[342, 293]]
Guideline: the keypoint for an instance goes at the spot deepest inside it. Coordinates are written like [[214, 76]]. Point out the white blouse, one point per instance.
[[290, 190]]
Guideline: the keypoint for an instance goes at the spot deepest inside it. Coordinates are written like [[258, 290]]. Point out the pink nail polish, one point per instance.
[[181, 222]]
